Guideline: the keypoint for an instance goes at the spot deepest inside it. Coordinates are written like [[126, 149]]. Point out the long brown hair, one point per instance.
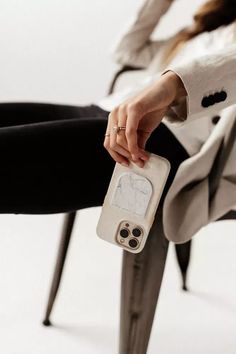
[[211, 15]]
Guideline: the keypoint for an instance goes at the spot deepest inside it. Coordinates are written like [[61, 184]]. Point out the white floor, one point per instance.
[[86, 315]]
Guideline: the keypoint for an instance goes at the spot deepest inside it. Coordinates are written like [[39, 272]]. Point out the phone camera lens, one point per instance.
[[133, 243], [124, 233], [136, 232]]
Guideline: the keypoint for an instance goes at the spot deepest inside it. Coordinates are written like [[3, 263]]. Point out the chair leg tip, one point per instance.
[[47, 323], [184, 281]]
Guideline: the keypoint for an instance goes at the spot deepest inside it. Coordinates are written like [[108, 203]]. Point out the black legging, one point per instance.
[[52, 157]]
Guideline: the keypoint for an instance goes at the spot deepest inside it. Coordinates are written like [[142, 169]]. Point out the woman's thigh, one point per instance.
[[53, 166], [62, 165], [20, 113]]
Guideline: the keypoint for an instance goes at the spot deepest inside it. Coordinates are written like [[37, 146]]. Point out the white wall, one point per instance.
[[58, 51]]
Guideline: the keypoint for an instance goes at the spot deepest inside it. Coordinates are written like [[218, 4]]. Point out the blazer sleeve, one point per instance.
[[210, 82], [134, 47]]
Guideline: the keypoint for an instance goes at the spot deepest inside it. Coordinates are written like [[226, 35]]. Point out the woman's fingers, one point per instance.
[[121, 135], [132, 123], [117, 152], [117, 143], [117, 155], [114, 143], [142, 139]]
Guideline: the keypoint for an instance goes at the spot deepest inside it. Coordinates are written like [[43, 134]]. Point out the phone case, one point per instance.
[[131, 202]]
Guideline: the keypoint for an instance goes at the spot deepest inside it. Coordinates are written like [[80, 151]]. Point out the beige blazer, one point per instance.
[[210, 82]]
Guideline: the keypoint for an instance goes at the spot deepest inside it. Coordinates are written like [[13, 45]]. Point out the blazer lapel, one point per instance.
[[187, 204]]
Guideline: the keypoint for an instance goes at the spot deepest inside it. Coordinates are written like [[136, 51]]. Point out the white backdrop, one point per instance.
[[58, 51]]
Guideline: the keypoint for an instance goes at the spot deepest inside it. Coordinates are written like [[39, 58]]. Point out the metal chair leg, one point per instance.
[[183, 252], [62, 252], [140, 286]]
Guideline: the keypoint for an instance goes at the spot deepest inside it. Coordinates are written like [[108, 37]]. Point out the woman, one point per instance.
[[44, 168], [214, 28], [203, 57]]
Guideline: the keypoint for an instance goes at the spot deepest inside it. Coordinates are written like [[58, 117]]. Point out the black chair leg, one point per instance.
[[141, 281], [183, 252], [62, 252]]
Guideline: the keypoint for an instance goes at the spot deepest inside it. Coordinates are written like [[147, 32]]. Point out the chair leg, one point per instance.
[[183, 252], [61, 256], [140, 286]]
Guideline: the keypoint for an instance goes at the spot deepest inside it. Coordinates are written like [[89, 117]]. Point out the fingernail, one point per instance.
[[135, 158], [140, 164]]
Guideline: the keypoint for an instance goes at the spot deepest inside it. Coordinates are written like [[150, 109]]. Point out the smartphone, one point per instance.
[[131, 201]]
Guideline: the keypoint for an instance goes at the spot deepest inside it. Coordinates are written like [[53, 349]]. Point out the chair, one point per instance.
[[182, 251], [138, 289]]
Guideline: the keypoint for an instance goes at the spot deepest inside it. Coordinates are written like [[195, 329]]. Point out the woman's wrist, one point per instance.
[[175, 85]]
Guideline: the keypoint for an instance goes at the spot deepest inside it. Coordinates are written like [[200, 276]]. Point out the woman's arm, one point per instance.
[[135, 46], [205, 85]]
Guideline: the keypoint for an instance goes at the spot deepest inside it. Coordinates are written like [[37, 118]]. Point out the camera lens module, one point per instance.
[[136, 232], [133, 243], [124, 232]]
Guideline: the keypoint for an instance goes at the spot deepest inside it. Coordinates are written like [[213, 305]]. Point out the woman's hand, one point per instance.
[[141, 115]]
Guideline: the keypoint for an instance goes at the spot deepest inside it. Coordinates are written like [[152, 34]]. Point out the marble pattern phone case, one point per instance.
[[131, 202]]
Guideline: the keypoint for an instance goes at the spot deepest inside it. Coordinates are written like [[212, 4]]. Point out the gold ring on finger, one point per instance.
[[116, 128], [121, 128]]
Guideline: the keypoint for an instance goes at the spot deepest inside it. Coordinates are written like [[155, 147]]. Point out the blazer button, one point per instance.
[[215, 119], [223, 95], [211, 100], [205, 102], [218, 97]]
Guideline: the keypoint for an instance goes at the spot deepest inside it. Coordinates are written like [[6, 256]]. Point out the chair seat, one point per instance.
[[231, 215], [129, 79]]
